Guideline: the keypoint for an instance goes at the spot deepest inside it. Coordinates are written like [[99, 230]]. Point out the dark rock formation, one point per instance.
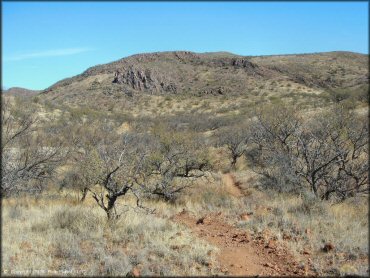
[[143, 80]]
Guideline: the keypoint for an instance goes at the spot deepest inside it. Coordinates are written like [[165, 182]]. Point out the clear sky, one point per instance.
[[44, 42]]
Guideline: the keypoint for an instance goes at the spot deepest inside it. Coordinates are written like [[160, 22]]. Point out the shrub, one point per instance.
[[116, 264], [75, 220], [326, 154], [310, 206], [67, 246]]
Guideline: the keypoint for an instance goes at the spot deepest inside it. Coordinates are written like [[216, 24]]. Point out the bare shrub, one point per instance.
[[67, 247], [235, 138], [176, 160], [310, 205], [327, 153], [74, 219], [29, 158], [116, 264]]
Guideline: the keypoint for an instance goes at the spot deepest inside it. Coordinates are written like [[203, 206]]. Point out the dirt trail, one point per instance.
[[232, 186], [239, 253]]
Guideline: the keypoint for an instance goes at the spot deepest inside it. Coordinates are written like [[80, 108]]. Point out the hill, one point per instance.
[[220, 73], [22, 92]]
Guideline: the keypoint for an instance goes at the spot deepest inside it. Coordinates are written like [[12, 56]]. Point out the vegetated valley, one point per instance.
[[180, 163]]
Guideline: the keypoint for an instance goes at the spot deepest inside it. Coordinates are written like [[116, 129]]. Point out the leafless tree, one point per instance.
[[29, 158], [327, 152], [236, 139], [269, 152], [116, 166], [346, 134], [85, 172], [176, 160], [84, 138]]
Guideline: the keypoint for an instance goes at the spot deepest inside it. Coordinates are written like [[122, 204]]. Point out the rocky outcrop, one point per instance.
[[215, 91], [144, 80], [244, 63], [249, 67]]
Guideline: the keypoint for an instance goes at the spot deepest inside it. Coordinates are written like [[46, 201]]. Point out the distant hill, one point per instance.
[[22, 92], [219, 73]]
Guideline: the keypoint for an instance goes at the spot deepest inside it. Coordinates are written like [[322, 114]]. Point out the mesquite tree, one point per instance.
[[29, 157], [236, 139], [327, 152], [176, 160], [119, 165]]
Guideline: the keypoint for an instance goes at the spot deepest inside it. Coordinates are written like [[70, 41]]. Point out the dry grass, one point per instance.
[[301, 223], [66, 238], [305, 225]]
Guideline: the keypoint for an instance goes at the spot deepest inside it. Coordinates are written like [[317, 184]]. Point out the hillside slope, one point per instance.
[[220, 73]]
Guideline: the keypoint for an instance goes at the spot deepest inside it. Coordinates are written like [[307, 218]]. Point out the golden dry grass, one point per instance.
[[65, 237]]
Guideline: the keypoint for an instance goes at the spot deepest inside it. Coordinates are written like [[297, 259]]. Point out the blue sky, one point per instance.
[[44, 42]]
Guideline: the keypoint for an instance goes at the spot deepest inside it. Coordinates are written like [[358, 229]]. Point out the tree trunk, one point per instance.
[[110, 207], [233, 161], [314, 186], [84, 194], [326, 196]]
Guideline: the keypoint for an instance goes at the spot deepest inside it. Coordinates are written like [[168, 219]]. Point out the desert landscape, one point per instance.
[[182, 163], [194, 138]]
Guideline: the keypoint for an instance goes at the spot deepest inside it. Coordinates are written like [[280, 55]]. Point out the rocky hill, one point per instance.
[[220, 73]]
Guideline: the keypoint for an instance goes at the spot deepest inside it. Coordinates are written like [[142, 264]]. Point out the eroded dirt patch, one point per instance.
[[240, 254]]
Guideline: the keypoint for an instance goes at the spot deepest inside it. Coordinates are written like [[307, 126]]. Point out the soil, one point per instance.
[[240, 254]]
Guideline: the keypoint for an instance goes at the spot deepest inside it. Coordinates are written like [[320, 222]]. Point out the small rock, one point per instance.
[[328, 247], [208, 264], [271, 244], [200, 221], [204, 220]]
